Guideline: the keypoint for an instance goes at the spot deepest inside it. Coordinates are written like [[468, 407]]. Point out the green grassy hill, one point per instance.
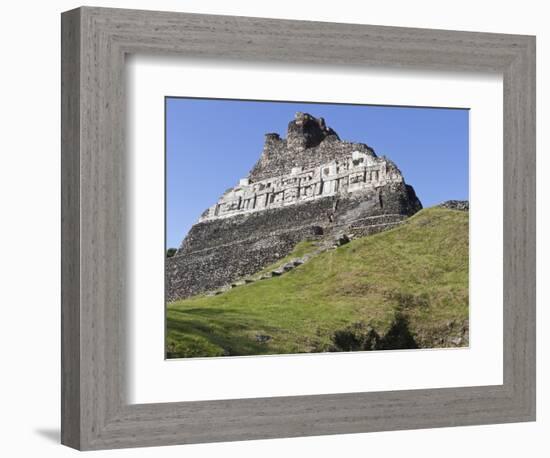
[[403, 288]]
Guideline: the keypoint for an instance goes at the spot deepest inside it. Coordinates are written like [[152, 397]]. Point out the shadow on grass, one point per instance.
[[398, 337], [361, 336], [202, 332]]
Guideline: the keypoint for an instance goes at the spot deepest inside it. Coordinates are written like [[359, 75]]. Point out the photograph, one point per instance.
[[275, 229], [296, 227]]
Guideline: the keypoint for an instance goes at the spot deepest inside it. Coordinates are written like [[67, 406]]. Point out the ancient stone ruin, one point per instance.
[[310, 185], [461, 205]]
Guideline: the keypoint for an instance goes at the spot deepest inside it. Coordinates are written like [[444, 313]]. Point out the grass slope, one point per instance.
[[408, 287]]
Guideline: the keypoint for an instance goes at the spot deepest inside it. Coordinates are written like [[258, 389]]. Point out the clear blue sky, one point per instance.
[[210, 144]]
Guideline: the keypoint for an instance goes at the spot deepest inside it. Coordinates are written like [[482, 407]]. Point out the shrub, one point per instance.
[[357, 336]]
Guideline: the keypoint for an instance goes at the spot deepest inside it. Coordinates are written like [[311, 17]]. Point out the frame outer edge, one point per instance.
[[528, 194], [70, 228], [532, 253], [92, 375], [520, 233]]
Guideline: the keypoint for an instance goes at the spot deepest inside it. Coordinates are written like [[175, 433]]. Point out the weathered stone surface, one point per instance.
[[310, 185], [462, 205], [288, 266], [341, 239], [309, 143]]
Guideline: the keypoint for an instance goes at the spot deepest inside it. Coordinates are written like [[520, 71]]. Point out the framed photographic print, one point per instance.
[[283, 228], [286, 228]]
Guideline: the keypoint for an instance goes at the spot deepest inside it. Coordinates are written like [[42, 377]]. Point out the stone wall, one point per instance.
[[206, 270]]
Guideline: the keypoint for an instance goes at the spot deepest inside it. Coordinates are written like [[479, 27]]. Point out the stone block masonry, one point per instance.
[[309, 185], [462, 205]]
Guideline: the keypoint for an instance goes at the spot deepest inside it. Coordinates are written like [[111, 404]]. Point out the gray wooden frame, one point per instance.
[[95, 413]]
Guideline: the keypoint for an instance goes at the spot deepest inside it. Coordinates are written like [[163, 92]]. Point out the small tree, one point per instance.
[[171, 252]]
